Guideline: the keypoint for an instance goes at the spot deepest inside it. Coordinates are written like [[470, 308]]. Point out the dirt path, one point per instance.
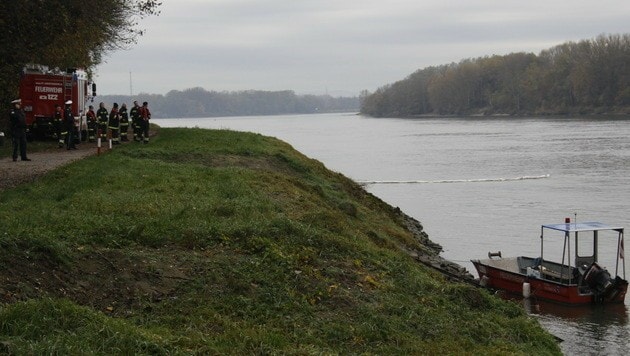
[[15, 173]]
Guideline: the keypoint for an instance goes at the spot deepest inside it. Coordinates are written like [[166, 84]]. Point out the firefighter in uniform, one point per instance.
[[91, 124], [135, 121], [68, 119], [59, 126], [114, 124], [145, 116], [124, 122], [18, 130], [102, 116]]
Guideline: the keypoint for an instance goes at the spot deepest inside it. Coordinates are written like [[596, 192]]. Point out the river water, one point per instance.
[[480, 185]]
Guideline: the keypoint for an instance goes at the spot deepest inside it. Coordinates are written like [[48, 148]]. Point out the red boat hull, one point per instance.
[[512, 282]]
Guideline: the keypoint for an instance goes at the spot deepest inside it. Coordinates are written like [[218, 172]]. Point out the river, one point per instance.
[[480, 185]]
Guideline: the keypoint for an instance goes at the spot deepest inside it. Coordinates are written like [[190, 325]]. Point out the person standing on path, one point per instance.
[[102, 116], [70, 128], [91, 124], [145, 116], [18, 130], [124, 122], [114, 124], [135, 121], [59, 125]]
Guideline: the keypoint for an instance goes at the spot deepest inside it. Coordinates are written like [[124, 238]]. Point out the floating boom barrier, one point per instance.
[[479, 180]]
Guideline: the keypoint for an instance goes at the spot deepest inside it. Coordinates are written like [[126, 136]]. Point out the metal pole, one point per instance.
[[620, 250], [569, 255], [541, 245], [98, 142], [564, 252], [618, 255]]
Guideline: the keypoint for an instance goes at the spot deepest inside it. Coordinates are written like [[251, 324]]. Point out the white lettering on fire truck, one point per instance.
[[56, 90], [54, 97]]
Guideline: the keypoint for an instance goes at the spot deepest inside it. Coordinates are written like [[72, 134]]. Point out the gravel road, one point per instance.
[[15, 173]]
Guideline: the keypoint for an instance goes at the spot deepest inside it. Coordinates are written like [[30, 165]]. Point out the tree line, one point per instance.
[[198, 102], [64, 34], [585, 77]]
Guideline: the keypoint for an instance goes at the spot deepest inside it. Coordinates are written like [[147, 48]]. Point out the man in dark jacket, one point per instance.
[[135, 121], [124, 122], [91, 123], [18, 130], [70, 128], [60, 130], [103, 116], [145, 116], [114, 124]]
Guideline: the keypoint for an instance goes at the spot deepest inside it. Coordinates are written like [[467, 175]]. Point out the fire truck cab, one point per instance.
[[41, 89]]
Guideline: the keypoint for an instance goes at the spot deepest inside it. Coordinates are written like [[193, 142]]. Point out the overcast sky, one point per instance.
[[339, 47]]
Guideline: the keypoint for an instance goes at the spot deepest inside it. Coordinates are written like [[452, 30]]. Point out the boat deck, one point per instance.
[[532, 267]]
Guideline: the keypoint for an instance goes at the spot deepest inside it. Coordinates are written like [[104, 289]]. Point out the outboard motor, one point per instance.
[[599, 280]]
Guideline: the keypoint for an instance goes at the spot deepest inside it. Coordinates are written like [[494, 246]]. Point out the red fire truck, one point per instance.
[[41, 89]]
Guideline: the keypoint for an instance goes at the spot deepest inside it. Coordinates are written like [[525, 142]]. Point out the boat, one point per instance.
[[574, 282]]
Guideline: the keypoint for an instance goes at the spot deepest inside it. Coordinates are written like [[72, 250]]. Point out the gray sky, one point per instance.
[[338, 46]]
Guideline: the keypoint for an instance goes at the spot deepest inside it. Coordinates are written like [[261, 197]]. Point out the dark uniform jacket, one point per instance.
[[114, 118], [91, 116], [102, 115], [124, 117], [135, 115], [18, 122], [58, 117], [68, 119]]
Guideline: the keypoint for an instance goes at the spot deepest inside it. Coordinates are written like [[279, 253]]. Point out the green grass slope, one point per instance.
[[220, 242]]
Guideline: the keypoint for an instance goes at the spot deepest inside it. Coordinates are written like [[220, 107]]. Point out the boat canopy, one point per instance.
[[583, 226]]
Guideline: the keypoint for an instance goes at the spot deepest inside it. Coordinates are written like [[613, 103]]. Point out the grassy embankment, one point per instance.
[[224, 242]]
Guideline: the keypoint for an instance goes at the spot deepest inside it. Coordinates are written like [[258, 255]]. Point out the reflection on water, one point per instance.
[[602, 329], [583, 330]]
